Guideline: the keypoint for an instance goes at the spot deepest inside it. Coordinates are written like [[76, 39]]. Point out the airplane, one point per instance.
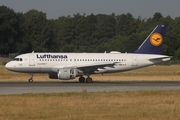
[[68, 66]]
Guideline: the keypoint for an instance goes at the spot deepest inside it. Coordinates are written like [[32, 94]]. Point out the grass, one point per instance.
[[3, 61], [170, 73], [135, 105]]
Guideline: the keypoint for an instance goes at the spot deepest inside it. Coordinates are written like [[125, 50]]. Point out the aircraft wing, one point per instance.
[[94, 67], [87, 67]]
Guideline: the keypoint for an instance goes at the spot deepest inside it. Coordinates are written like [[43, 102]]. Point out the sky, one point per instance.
[[57, 8]]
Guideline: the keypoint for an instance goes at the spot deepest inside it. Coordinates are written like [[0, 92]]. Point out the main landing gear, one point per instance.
[[31, 78], [82, 79]]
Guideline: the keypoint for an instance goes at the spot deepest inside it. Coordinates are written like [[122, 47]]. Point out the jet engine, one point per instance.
[[64, 74]]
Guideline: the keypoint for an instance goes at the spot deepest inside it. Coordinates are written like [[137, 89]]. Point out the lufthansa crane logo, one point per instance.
[[156, 39]]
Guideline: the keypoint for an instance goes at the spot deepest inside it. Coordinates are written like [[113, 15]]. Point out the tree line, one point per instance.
[[32, 31]]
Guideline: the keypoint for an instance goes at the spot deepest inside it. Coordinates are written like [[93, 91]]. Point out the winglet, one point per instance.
[[153, 43]]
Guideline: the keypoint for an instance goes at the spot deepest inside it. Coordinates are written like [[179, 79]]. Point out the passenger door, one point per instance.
[[31, 60], [134, 60]]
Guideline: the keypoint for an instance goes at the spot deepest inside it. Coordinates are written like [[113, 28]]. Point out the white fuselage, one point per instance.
[[112, 62]]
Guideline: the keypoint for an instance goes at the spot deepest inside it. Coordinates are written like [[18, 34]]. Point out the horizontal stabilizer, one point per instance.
[[163, 59]]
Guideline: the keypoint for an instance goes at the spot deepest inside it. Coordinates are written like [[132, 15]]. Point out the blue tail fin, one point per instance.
[[153, 43]]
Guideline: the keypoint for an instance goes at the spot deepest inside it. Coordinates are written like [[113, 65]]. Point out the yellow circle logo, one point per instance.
[[156, 39]]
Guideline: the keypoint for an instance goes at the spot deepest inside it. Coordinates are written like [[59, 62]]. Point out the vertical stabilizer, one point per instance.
[[153, 43]]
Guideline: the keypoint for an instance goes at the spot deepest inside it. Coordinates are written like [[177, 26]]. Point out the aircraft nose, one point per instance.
[[9, 66]]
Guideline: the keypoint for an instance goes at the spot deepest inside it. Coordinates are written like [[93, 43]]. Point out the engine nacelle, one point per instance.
[[64, 74], [67, 73]]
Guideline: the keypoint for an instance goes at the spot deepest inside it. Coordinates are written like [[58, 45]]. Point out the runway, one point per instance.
[[54, 87]]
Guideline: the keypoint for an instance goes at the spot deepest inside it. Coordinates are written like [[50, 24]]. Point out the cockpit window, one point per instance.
[[17, 59]]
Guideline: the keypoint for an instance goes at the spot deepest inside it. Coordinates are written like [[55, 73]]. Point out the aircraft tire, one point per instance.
[[81, 79], [89, 80], [30, 80]]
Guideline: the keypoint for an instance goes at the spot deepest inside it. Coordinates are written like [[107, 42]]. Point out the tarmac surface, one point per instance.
[[54, 87]]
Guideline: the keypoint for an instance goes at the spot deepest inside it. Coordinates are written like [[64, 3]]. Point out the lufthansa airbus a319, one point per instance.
[[68, 66]]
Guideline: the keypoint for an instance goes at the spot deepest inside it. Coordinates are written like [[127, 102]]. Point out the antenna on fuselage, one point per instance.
[[33, 51]]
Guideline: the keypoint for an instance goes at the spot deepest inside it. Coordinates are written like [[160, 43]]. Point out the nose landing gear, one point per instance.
[[31, 78]]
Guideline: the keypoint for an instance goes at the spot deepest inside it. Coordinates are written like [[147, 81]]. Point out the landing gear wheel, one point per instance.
[[89, 80], [81, 79], [30, 80]]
